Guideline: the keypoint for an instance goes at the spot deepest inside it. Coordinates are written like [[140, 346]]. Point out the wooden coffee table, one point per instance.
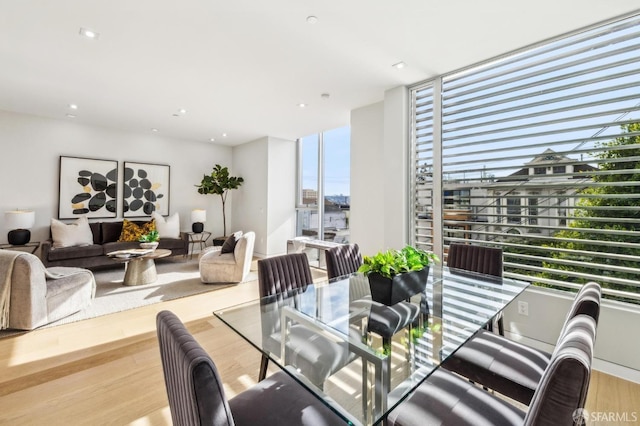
[[141, 270]]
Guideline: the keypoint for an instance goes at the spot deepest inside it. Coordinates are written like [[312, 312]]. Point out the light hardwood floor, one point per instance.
[[107, 371]]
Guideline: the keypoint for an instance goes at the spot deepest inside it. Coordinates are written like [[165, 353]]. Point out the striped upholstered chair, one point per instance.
[[383, 320], [317, 357], [480, 259], [510, 367], [342, 260], [196, 392], [446, 399]]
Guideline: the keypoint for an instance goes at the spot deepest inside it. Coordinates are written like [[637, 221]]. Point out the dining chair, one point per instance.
[[196, 392], [446, 399], [512, 368], [382, 320], [342, 260], [317, 357], [480, 259]]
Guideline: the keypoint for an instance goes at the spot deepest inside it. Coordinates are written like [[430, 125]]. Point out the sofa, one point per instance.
[[39, 296], [105, 240]]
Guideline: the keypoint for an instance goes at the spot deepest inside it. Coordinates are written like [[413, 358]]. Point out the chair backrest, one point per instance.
[[243, 252], [195, 391], [565, 382], [587, 302], [281, 274], [474, 258], [343, 260]]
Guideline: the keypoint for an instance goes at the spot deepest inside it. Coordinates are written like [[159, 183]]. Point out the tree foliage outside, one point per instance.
[[620, 164], [219, 182]]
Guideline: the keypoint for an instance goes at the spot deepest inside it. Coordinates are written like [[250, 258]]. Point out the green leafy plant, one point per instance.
[[219, 182], [393, 262], [151, 237]]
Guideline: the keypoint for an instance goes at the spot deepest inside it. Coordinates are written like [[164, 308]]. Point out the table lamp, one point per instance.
[[19, 221], [197, 217]]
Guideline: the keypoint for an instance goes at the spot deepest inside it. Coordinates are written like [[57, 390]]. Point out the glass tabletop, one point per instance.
[[327, 335]]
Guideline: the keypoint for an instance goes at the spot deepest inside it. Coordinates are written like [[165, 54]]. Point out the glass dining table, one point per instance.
[[372, 378]]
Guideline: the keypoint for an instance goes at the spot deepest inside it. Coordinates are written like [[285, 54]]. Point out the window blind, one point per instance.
[[540, 155]]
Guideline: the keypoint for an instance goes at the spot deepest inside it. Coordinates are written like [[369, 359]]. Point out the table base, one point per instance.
[[140, 272]]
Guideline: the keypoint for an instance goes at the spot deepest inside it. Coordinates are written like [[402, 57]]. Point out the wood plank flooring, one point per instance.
[[107, 371]]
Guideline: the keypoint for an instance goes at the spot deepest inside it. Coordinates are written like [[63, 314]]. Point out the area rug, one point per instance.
[[176, 278]]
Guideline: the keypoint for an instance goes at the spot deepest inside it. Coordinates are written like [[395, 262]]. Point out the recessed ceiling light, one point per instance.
[[212, 140], [89, 33], [302, 105], [399, 65], [182, 111], [73, 106], [224, 135], [312, 19], [71, 116], [154, 130]]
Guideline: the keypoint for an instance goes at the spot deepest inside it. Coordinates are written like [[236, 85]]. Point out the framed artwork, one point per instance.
[[87, 187], [145, 189]]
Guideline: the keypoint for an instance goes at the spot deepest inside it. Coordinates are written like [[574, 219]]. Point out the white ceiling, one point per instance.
[[243, 66]]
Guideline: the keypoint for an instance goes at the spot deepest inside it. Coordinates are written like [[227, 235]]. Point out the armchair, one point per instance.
[[39, 295], [218, 267]]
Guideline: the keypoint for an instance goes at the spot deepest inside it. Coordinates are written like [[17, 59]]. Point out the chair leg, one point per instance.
[[263, 367], [489, 326]]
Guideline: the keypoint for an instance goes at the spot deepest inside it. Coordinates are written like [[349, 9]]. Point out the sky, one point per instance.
[[337, 161]]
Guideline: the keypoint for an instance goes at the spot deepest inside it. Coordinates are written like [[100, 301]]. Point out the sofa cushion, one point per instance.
[[171, 243], [77, 252], [111, 231], [132, 231], [72, 234], [96, 231], [169, 227]]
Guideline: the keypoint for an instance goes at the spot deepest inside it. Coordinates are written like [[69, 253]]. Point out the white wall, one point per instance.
[[29, 166], [281, 222], [250, 200], [618, 327], [367, 220], [396, 175], [379, 176], [265, 203]]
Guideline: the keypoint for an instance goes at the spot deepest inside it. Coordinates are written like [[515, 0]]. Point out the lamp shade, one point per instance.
[[199, 215], [20, 219], [19, 222]]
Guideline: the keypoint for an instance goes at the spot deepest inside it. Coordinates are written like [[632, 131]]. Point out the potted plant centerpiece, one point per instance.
[[150, 240], [396, 275]]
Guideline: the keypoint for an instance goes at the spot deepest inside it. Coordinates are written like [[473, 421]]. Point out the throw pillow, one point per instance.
[[73, 234], [169, 227], [230, 243], [133, 232]]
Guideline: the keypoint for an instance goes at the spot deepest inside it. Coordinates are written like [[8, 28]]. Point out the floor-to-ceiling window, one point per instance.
[[538, 152], [323, 185]]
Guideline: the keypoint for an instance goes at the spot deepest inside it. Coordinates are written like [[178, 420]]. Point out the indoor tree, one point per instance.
[[219, 182]]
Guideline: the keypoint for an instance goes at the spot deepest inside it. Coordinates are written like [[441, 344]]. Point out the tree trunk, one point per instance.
[[224, 218]]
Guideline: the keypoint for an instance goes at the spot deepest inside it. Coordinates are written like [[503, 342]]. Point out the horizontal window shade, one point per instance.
[[541, 157]]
